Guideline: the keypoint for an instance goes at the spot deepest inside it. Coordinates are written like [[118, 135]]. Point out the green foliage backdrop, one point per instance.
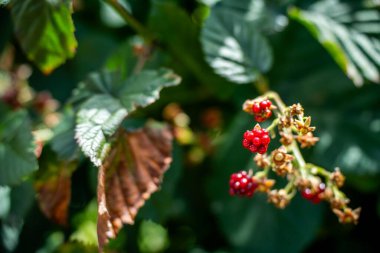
[[111, 66]]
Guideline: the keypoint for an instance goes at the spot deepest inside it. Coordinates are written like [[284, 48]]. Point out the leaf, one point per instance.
[[184, 47], [356, 154], [357, 53], [130, 174], [21, 197], [45, 30], [108, 100], [5, 201], [63, 142], [17, 156], [85, 224], [53, 186], [265, 16], [234, 48], [254, 225]]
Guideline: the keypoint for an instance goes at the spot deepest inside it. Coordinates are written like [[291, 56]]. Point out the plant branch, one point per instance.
[[294, 146], [134, 23]]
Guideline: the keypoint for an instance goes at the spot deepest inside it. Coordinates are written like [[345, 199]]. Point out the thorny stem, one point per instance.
[[127, 16]]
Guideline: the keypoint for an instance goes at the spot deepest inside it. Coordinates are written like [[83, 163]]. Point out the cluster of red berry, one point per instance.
[[257, 140], [242, 184], [314, 196], [262, 110]]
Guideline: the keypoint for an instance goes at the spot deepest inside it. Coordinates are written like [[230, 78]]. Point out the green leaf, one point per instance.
[[184, 47], [21, 200], [253, 225], [234, 48], [17, 156], [342, 33], [85, 224], [108, 100], [356, 154], [45, 30], [63, 141], [267, 17], [98, 118]]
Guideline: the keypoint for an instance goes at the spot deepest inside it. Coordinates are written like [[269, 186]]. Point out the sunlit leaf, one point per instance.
[[346, 35], [234, 48], [108, 100], [131, 173], [45, 30], [17, 156]]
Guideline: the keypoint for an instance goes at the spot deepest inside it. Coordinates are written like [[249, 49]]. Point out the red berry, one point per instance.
[[257, 132], [262, 149], [265, 139], [242, 184], [259, 119], [246, 143], [264, 104], [253, 148], [256, 140], [256, 108], [262, 110], [314, 197], [307, 194]]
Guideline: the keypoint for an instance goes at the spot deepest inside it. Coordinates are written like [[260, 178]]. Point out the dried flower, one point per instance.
[[338, 203], [261, 161], [307, 140], [337, 177], [296, 109], [282, 161], [247, 106], [304, 126], [347, 215], [264, 184], [285, 122], [279, 198], [286, 138]]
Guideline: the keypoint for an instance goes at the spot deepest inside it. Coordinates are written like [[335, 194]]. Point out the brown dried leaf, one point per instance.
[[132, 171], [54, 193]]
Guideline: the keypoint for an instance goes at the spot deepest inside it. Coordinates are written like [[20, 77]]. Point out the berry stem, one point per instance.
[[294, 146], [318, 170], [273, 125], [263, 173]]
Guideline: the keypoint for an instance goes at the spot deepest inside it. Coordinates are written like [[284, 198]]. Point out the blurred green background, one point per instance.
[[193, 212]]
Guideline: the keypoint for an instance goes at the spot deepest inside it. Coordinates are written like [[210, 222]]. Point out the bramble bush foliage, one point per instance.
[[122, 130]]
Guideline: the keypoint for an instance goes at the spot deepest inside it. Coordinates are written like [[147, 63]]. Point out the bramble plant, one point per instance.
[[121, 126], [294, 127]]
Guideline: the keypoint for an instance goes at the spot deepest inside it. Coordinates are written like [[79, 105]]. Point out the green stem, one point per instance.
[[134, 23], [294, 146], [263, 173], [273, 125], [319, 170], [273, 95]]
